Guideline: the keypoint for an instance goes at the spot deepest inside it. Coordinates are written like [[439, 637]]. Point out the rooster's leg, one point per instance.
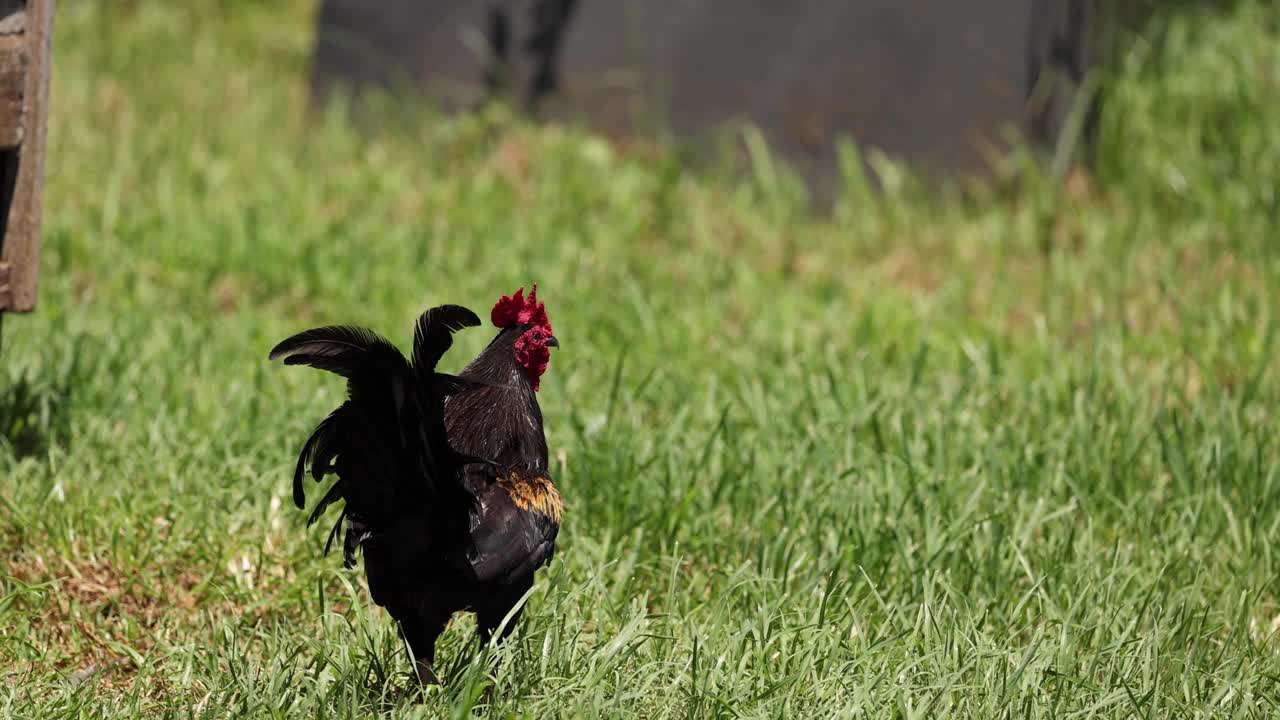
[[420, 632], [487, 625], [489, 618]]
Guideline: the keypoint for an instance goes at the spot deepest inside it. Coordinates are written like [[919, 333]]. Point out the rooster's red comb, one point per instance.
[[518, 310]]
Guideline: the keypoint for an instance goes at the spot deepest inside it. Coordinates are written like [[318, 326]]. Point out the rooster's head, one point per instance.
[[532, 348]]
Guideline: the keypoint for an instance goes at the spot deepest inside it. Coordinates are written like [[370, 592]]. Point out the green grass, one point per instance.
[[1006, 451]]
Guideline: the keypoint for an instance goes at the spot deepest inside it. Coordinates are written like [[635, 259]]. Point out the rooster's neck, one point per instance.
[[497, 365], [498, 419]]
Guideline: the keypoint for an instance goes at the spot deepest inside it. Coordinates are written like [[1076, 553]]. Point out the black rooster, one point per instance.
[[443, 478]]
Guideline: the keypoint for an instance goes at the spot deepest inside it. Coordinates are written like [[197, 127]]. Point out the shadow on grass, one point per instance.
[[35, 405]]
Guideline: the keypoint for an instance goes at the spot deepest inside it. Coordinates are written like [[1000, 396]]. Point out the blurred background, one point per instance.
[[941, 86], [946, 88]]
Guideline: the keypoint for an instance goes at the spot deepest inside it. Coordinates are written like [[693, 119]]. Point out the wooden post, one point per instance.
[[25, 33]]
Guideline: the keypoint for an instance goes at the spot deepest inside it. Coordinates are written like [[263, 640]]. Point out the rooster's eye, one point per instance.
[[537, 336]]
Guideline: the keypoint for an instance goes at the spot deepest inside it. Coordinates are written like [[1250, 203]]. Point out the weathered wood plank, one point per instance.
[[14, 64], [13, 17], [6, 290], [22, 231], [13, 22]]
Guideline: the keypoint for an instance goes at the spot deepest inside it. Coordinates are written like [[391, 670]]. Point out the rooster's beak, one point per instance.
[[552, 341]]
